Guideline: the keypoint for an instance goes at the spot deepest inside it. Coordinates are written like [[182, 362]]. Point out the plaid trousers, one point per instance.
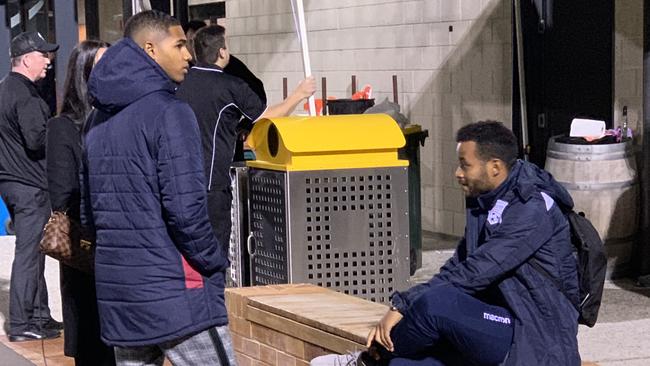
[[210, 347]]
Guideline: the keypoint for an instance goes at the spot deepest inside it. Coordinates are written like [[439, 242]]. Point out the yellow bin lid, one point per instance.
[[326, 142]]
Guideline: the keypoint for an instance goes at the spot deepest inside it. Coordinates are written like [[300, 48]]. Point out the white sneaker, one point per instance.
[[348, 359]]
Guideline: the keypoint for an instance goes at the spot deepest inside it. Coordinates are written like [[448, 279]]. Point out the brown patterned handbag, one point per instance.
[[62, 240]]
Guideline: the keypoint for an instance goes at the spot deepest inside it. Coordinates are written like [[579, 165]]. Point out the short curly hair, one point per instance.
[[493, 141]]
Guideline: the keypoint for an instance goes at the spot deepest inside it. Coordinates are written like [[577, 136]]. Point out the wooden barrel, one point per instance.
[[602, 179]]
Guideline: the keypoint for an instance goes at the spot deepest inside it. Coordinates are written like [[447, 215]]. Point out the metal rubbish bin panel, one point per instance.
[[238, 273], [415, 138], [345, 229], [268, 242]]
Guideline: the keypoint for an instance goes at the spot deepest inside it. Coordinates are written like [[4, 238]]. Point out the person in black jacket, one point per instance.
[[80, 317], [220, 102], [23, 184], [237, 68]]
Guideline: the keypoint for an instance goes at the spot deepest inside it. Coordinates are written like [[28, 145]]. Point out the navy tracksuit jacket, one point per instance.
[[159, 268], [507, 228]]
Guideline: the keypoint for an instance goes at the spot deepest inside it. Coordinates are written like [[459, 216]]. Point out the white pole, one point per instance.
[[141, 5], [301, 28], [522, 78]]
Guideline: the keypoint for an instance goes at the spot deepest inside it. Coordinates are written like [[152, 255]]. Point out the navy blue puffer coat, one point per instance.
[[507, 229], [159, 268]]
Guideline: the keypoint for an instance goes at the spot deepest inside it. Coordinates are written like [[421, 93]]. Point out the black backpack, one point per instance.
[[592, 267]]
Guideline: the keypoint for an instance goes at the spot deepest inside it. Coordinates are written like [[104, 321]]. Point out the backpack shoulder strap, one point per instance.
[[539, 268], [557, 283]]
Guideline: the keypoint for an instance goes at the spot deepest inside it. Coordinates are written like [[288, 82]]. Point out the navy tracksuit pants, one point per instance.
[[446, 326]]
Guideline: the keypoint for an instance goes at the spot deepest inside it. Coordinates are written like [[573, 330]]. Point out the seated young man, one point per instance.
[[489, 305]]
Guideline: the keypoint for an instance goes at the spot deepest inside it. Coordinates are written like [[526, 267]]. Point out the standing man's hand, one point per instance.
[[306, 88], [381, 332]]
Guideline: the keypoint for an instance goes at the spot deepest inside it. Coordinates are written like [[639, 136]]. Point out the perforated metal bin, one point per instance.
[[238, 274], [345, 228]]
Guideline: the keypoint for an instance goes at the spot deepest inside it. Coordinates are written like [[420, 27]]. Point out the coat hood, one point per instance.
[[125, 74], [530, 178]]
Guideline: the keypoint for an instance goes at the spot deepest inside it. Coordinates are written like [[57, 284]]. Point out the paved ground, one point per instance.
[[9, 357], [621, 337], [51, 274]]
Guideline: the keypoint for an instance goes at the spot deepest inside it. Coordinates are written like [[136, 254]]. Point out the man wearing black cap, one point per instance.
[[23, 184]]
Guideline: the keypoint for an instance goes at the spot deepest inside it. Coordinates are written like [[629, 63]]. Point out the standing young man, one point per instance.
[[490, 305], [220, 101], [23, 184], [159, 268]]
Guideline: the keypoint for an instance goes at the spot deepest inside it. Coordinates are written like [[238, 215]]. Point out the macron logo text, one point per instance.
[[495, 318]]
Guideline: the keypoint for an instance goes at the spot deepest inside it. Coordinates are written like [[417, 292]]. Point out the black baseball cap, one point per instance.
[[27, 42]]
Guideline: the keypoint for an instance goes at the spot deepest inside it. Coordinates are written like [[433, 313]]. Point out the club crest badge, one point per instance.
[[494, 215]]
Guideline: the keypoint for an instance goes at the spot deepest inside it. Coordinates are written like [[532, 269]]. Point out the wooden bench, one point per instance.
[[288, 325]]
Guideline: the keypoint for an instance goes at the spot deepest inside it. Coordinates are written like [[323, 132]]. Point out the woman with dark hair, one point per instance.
[[80, 317]]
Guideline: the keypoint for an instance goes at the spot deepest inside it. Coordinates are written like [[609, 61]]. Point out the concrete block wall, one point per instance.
[[628, 64], [452, 59]]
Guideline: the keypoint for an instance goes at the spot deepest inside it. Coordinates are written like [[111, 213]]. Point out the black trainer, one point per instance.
[[375, 355], [33, 334], [366, 359]]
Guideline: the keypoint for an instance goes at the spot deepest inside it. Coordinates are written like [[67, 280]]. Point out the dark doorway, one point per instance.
[[162, 5], [212, 11], [105, 19], [569, 60]]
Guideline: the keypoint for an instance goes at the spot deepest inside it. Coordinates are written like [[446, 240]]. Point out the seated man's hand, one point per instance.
[[381, 332]]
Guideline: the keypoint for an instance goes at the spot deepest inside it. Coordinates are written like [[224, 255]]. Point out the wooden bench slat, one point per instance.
[[337, 313]]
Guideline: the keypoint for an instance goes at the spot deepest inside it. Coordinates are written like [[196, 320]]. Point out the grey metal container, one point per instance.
[[345, 229], [238, 274]]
